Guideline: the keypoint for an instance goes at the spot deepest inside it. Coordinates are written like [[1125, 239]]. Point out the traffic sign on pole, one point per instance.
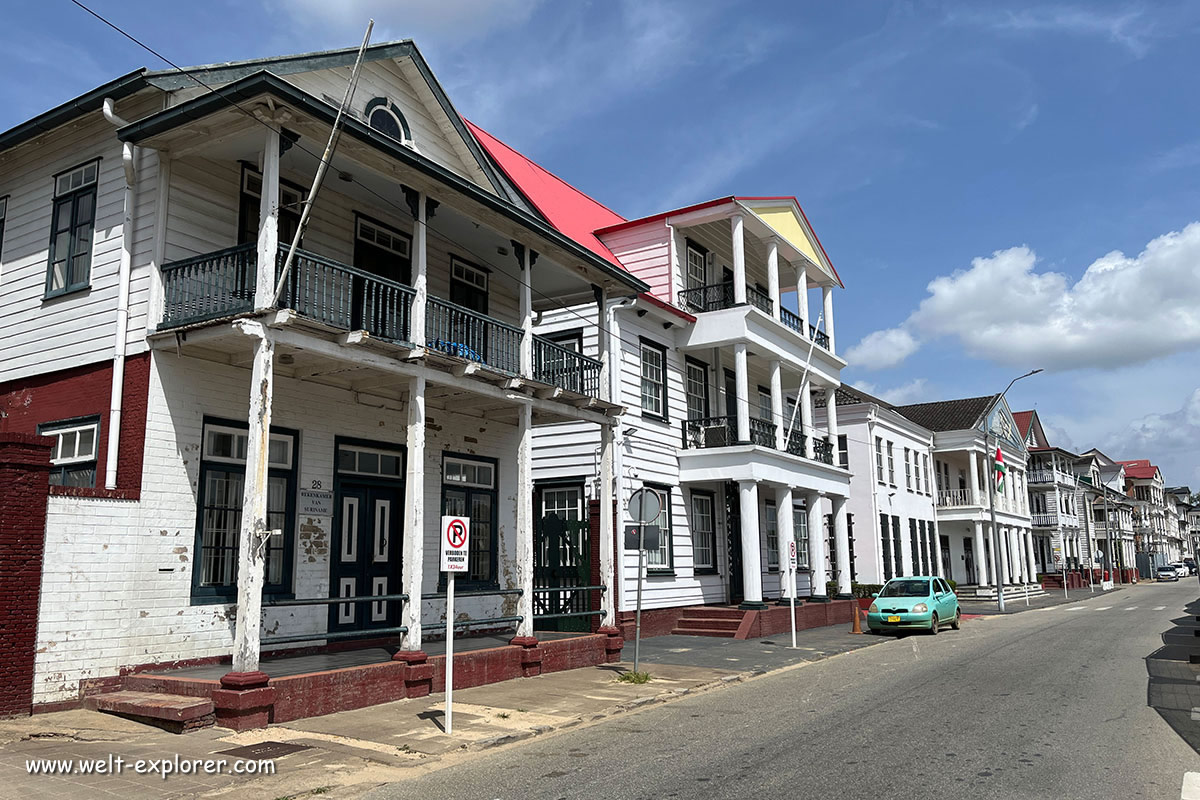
[[455, 546]]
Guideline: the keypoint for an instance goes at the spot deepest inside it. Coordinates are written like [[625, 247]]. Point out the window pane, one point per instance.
[[86, 444], [221, 523], [479, 562], [368, 462], [67, 444], [81, 475], [702, 531], [772, 536], [346, 460], [277, 453], [662, 556], [389, 465]]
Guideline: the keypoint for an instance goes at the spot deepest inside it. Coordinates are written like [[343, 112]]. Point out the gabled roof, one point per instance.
[[1023, 418], [565, 207], [949, 415], [850, 396], [1139, 468]]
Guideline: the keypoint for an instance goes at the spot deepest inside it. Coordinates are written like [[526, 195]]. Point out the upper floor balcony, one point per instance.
[[1054, 520], [1049, 476], [709, 432], [964, 500], [721, 296]]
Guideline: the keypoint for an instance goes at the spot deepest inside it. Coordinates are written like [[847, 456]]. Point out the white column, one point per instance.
[[608, 603], [827, 297], [526, 302], [974, 487], [819, 573], [268, 222], [981, 571], [831, 419], [773, 275], [777, 405], [604, 327], [841, 541], [1015, 548], [1002, 549], [806, 411], [751, 545], [802, 292], [413, 566], [420, 271], [254, 531], [1030, 558], [739, 259], [523, 574], [784, 505], [936, 547], [742, 378]]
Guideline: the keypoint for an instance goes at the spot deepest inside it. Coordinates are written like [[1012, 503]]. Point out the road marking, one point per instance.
[[1106, 608], [1157, 608], [1131, 608], [1078, 608], [1191, 786]]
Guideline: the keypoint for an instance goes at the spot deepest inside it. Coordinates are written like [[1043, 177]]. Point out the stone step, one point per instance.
[[708, 612], [717, 623], [717, 632], [171, 712]]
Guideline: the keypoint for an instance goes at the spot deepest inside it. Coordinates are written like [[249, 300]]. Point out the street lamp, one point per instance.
[[992, 499]]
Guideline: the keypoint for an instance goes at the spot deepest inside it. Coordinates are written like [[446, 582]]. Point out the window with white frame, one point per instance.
[[697, 268], [468, 286], [369, 462], [879, 458], [908, 469], [800, 531], [697, 390], [661, 559], [469, 490], [654, 380], [891, 462], [73, 458], [925, 461], [764, 404], [221, 496], [72, 228], [704, 531], [771, 529]]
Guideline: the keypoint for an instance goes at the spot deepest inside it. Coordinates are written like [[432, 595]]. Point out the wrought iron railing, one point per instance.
[[760, 300], [713, 297], [565, 368], [792, 320], [344, 297], [709, 432], [461, 332], [819, 336], [209, 286], [762, 432], [795, 443], [823, 450]]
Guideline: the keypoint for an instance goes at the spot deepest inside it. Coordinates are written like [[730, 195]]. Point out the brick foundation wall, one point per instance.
[[86, 392], [24, 481]]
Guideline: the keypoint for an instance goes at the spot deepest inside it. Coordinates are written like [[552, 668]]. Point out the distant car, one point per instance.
[[1190, 563], [1166, 573], [1181, 569], [917, 603]]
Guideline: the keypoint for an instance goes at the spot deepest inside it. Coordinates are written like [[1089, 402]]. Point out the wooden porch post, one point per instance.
[[268, 223], [524, 565], [416, 333], [739, 258], [413, 567]]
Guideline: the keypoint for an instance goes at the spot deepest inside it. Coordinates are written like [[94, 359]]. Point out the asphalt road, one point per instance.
[[1051, 703]]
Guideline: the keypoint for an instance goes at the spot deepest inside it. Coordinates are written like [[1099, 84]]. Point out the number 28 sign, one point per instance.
[[455, 538]]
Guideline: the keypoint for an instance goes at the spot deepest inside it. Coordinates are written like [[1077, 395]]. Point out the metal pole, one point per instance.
[[992, 509], [637, 627], [450, 653]]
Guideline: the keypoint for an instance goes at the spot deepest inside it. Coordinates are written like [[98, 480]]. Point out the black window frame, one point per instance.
[[463, 581], [711, 496], [644, 343], [59, 472], [665, 530], [72, 197], [202, 595]]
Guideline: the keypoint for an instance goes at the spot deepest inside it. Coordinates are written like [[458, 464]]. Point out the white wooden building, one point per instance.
[[395, 364]]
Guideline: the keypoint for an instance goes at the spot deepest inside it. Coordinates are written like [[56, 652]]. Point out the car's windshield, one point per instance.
[[905, 588]]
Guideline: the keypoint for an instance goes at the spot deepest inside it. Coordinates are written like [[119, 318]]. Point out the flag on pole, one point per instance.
[[1001, 470]]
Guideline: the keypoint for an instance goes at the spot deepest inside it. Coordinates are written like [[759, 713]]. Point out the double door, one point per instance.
[[367, 548]]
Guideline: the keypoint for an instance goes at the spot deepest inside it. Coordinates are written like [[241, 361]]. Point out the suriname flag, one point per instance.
[[1001, 470]]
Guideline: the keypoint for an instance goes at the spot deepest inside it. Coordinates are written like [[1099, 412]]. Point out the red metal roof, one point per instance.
[[566, 208], [1023, 418], [1140, 468]]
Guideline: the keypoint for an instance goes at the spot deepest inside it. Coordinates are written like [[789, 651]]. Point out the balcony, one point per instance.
[[720, 296], [222, 284], [954, 498], [762, 432], [708, 432], [1051, 476]]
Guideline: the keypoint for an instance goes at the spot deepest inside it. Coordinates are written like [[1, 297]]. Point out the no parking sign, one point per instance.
[[456, 535]]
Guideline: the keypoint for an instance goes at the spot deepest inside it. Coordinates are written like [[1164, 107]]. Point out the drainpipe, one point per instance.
[[129, 156]]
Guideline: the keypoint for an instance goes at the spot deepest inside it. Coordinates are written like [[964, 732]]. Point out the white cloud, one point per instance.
[[882, 349], [1129, 28], [1122, 311], [914, 391], [1168, 440], [346, 20]]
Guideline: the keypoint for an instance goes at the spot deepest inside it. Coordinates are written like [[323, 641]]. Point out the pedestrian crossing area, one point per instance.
[[1106, 608]]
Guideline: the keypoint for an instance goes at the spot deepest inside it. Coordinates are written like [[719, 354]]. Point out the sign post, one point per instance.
[[455, 538], [792, 587], [1058, 562], [644, 506]]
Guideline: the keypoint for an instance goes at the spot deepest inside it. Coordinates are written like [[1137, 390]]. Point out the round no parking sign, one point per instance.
[[455, 539]]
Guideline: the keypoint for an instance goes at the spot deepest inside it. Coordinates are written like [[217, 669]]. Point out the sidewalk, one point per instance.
[[345, 754]]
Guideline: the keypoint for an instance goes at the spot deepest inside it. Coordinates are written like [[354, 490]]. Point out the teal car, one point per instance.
[[922, 603]]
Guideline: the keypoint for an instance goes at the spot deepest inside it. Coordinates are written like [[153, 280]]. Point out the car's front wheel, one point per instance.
[[933, 625], [957, 623]]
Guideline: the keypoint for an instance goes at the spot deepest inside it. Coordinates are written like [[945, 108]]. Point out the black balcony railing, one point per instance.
[[461, 332], [344, 297], [713, 297], [823, 450], [760, 300], [819, 336], [709, 432], [565, 368], [795, 443], [793, 321], [762, 432], [209, 286]]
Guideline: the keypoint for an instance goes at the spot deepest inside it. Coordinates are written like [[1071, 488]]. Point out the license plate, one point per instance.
[[894, 618]]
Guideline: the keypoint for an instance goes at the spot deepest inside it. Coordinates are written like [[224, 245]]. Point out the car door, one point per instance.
[[949, 601]]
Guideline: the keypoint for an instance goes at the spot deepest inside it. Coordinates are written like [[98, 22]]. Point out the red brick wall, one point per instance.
[[84, 392], [24, 480], [655, 621]]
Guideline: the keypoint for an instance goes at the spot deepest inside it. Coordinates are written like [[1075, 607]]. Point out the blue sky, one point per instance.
[[974, 170]]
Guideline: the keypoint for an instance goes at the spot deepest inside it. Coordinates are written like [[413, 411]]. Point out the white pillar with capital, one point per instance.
[[777, 419], [784, 506], [981, 570], [802, 293], [842, 546], [1029, 556], [827, 297], [806, 412], [739, 258], [773, 275], [973, 465], [1002, 549], [817, 556], [751, 546], [831, 420], [742, 380]]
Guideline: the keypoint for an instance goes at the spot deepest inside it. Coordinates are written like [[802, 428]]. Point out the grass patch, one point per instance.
[[634, 677]]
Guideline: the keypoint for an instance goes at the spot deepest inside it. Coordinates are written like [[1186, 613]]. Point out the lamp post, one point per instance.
[[992, 499]]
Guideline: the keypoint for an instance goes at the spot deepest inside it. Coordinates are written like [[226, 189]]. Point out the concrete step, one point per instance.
[[717, 623], [170, 712]]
